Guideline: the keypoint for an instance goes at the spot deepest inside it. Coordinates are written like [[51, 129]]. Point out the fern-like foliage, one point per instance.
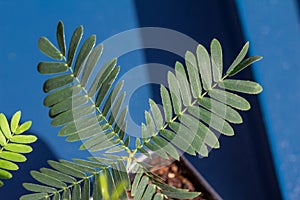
[[73, 180], [199, 102], [12, 144], [94, 113]]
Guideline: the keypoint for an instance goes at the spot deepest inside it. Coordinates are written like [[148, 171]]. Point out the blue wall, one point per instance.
[[275, 33]]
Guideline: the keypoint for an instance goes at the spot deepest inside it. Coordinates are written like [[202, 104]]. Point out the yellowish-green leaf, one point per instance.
[[5, 174], [4, 126], [12, 156], [23, 127], [2, 139], [15, 120], [4, 164], [23, 139], [18, 148]]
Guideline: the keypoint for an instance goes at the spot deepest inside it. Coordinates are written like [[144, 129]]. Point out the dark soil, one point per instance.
[[177, 175]]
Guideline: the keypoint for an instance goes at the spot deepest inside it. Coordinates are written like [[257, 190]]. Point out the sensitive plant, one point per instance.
[[199, 102]]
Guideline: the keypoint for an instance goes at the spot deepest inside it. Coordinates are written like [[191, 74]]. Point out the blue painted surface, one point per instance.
[[273, 29]]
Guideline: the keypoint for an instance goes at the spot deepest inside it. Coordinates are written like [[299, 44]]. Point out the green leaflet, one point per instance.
[[116, 109], [106, 85], [77, 166], [105, 145], [239, 58], [248, 87], [12, 156], [23, 127], [166, 146], [141, 188], [66, 169], [182, 131], [88, 163], [150, 191], [117, 103], [150, 124], [79, 125], [230, 99], [181, 194], [183, 84], [247, 62], [57, 82], [58, 175], [49, 49], [156, 149], [71, 115], [52, 67], [61, 94], [88, 132], [175, 92], [4, 164], [136, 181], [84, 52], [85, 195], [24, 139], [124, 174], [2, 139], [15, 120], [216, 59], [76, 37], [56, 196], [66, 195], [193, 73], [5, 174], [212, 120], [91, 63], [157, 116], [97, 193], [102, 75], [18, 148], [38, 188], [68, 104], [204, 67], [178, 141], [47, 180], [5, 126], [166, 102], [109, 181], [220, 109], [60, 36], [202, 132], [34, 196], [76, 192]]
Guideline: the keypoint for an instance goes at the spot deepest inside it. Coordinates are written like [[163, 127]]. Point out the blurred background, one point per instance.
[[260, 162]]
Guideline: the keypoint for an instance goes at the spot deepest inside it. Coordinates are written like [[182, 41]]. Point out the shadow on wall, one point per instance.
[[13, 189], [243, 167]]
